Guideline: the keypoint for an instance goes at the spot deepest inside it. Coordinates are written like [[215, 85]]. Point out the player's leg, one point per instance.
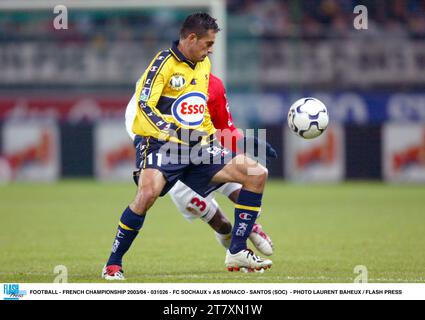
[[258, 237], [231, 191], [245, 171], [151, 183], [208, 175], [222, 227], [252, 176], [193, 206], [223, 233]]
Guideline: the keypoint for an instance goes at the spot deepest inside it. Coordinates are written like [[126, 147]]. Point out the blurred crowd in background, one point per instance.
[[327, 18], [301, 44], [258, 18]]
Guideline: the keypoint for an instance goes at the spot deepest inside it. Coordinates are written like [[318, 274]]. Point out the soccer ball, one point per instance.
[[308, 118]]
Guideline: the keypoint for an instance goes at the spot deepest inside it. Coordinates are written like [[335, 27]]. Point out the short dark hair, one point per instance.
[[198, 23]]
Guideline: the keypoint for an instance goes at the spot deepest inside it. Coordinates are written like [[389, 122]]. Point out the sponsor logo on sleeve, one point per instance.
[[144, 95]]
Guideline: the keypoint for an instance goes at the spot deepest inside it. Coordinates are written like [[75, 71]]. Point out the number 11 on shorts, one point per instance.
[[158, 159]]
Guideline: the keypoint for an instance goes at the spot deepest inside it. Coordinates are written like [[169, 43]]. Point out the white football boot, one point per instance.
[[113, 272], [261, 240], [247, 261]]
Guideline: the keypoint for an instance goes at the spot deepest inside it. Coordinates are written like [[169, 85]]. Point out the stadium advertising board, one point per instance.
[[114, 151], [317, 160], [31, 150], [403, 153], [76, 108], [355, 108], [345, 107]]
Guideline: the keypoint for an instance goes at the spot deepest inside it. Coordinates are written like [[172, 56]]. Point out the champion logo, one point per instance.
[[120, 234], [245, 216]]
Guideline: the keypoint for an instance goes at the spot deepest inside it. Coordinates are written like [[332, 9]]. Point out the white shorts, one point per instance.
[[193, 206]]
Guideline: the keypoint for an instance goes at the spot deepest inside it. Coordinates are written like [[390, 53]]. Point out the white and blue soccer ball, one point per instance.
[[308, 118]]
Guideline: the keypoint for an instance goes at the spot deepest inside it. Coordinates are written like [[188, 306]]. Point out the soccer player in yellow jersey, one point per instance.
[[179, 144]]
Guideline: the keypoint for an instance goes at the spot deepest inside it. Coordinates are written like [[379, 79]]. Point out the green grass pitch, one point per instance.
[[320, 233]]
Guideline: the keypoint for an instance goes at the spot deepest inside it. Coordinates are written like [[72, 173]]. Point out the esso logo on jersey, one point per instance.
[[189, 109]]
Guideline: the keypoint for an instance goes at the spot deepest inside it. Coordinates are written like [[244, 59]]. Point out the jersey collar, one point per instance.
[[179, 55]]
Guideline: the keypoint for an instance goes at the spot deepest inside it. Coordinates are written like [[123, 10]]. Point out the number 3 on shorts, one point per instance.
[[158, 159]]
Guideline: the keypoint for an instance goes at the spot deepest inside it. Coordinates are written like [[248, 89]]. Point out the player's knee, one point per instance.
[[145, 198], [259, 178], [264, 175], [149, 195]]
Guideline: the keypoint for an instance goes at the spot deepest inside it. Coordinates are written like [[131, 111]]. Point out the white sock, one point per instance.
[[224, 239]]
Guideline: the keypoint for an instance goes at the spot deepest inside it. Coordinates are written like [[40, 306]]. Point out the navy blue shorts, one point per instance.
[[194, 166]]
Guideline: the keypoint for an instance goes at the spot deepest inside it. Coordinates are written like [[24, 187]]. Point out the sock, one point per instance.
[[128, 228], [224, 239], [246, 212]]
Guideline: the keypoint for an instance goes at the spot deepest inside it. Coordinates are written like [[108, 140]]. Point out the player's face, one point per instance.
[[202, 47]]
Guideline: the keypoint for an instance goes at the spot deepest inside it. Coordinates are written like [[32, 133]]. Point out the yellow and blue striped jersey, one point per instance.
[[173, 90]]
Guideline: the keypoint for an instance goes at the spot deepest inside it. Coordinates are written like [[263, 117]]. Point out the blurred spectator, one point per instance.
[[328, 18], [263, 18], [111, 46]]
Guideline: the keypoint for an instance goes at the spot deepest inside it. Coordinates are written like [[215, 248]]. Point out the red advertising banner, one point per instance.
[[115, 155], [63, 108], [30, 151], [404, 153], [316, 160]]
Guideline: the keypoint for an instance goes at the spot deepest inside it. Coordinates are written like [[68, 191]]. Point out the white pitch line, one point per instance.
[[226, 276]]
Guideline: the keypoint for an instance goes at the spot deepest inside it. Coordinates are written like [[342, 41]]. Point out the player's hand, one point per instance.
[[258, 145]]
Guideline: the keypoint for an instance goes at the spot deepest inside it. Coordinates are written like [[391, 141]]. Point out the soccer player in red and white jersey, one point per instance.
[[190, 203]]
